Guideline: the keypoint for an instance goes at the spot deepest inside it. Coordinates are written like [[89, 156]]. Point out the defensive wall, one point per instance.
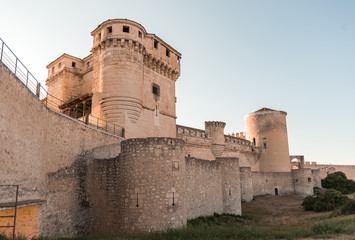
[[35, 141], [325, 169], [145, 184], [300, 182], [199, 144]]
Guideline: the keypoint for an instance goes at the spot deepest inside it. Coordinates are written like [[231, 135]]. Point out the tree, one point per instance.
[[340, 182]]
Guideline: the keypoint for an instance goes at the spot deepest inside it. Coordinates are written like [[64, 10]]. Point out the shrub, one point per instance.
[[326, 201], [340, 182], [316, 190], [308, 203], [349, 207]]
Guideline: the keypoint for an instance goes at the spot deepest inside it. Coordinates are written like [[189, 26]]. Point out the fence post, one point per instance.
[[87, 119], [2, 50], [14, 232], [16, 65], [27, 78], [38, 89]]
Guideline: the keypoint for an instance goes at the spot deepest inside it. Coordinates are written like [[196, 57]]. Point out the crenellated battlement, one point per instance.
[[161, 67], [119, 42], [215, 124], [151, 61], [190, 132], [236, 140], [151, 141]]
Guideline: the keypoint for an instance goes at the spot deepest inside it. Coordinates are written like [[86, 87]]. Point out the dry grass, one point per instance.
[[266, 217]]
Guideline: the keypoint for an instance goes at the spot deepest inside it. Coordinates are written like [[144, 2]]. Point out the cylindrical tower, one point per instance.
[[152, 176], [215, 131], [119, 50], [267, 129]]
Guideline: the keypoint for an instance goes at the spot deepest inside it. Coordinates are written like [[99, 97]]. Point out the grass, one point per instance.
[[264, 218], [210, 230], [235, 227]]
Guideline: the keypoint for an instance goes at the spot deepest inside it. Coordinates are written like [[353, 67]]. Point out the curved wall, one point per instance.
[[121, 72], [152, 174], [269, 131]]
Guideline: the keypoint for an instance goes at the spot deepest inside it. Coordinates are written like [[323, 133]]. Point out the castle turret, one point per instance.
[[119, 53], [135, 74], [267, 129], [215, 131], [129, 79]]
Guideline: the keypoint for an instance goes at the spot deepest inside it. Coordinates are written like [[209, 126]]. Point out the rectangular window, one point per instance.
[[156, 89], [73, 64], [155, 44], [126, 29], [167, 53], [99, 37], [109, 29], [139, 34], [59, 65]]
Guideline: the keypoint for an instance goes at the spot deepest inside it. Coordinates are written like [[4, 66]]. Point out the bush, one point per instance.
[[326, 201], [340, 182], [316, 190], [349, 207]]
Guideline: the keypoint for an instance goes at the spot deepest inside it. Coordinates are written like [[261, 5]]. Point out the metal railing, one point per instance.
[[11, 205], [11, 61]]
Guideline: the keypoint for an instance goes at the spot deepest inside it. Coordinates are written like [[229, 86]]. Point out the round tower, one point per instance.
[[119, 52], [152, 174], [267, 129], [215, 131]]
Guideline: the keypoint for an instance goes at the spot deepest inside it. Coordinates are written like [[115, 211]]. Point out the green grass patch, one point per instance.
[[228, 226]]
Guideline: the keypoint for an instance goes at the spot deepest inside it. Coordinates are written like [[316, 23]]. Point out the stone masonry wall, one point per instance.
[[265, 183], [212, 187], [203, 187], [349, 170], [304, 180], [246, 184], [230, 175], [36, 141], [152, 176]]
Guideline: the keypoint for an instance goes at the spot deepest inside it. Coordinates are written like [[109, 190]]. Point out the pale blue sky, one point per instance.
[[237, 57]]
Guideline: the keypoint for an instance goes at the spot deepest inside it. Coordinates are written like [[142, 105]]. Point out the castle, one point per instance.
[[101, 152]]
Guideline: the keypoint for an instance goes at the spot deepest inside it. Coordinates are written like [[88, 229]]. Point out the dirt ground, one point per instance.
[[275, 212], [278, 211]]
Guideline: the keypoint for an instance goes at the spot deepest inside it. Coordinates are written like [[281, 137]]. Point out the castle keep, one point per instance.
[[101, 151], [128, 79]]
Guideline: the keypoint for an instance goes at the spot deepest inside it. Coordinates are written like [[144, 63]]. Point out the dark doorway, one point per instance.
[[276, 191]]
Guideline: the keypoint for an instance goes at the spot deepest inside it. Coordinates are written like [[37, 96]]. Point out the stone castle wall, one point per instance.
[[36, 141], [199, 145], [152, 175], [304, 180], [265, 183], [299, 181], [203, 199], [246, 184], [325, 169]]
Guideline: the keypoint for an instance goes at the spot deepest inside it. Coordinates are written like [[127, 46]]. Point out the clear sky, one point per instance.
[[237, 57]]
